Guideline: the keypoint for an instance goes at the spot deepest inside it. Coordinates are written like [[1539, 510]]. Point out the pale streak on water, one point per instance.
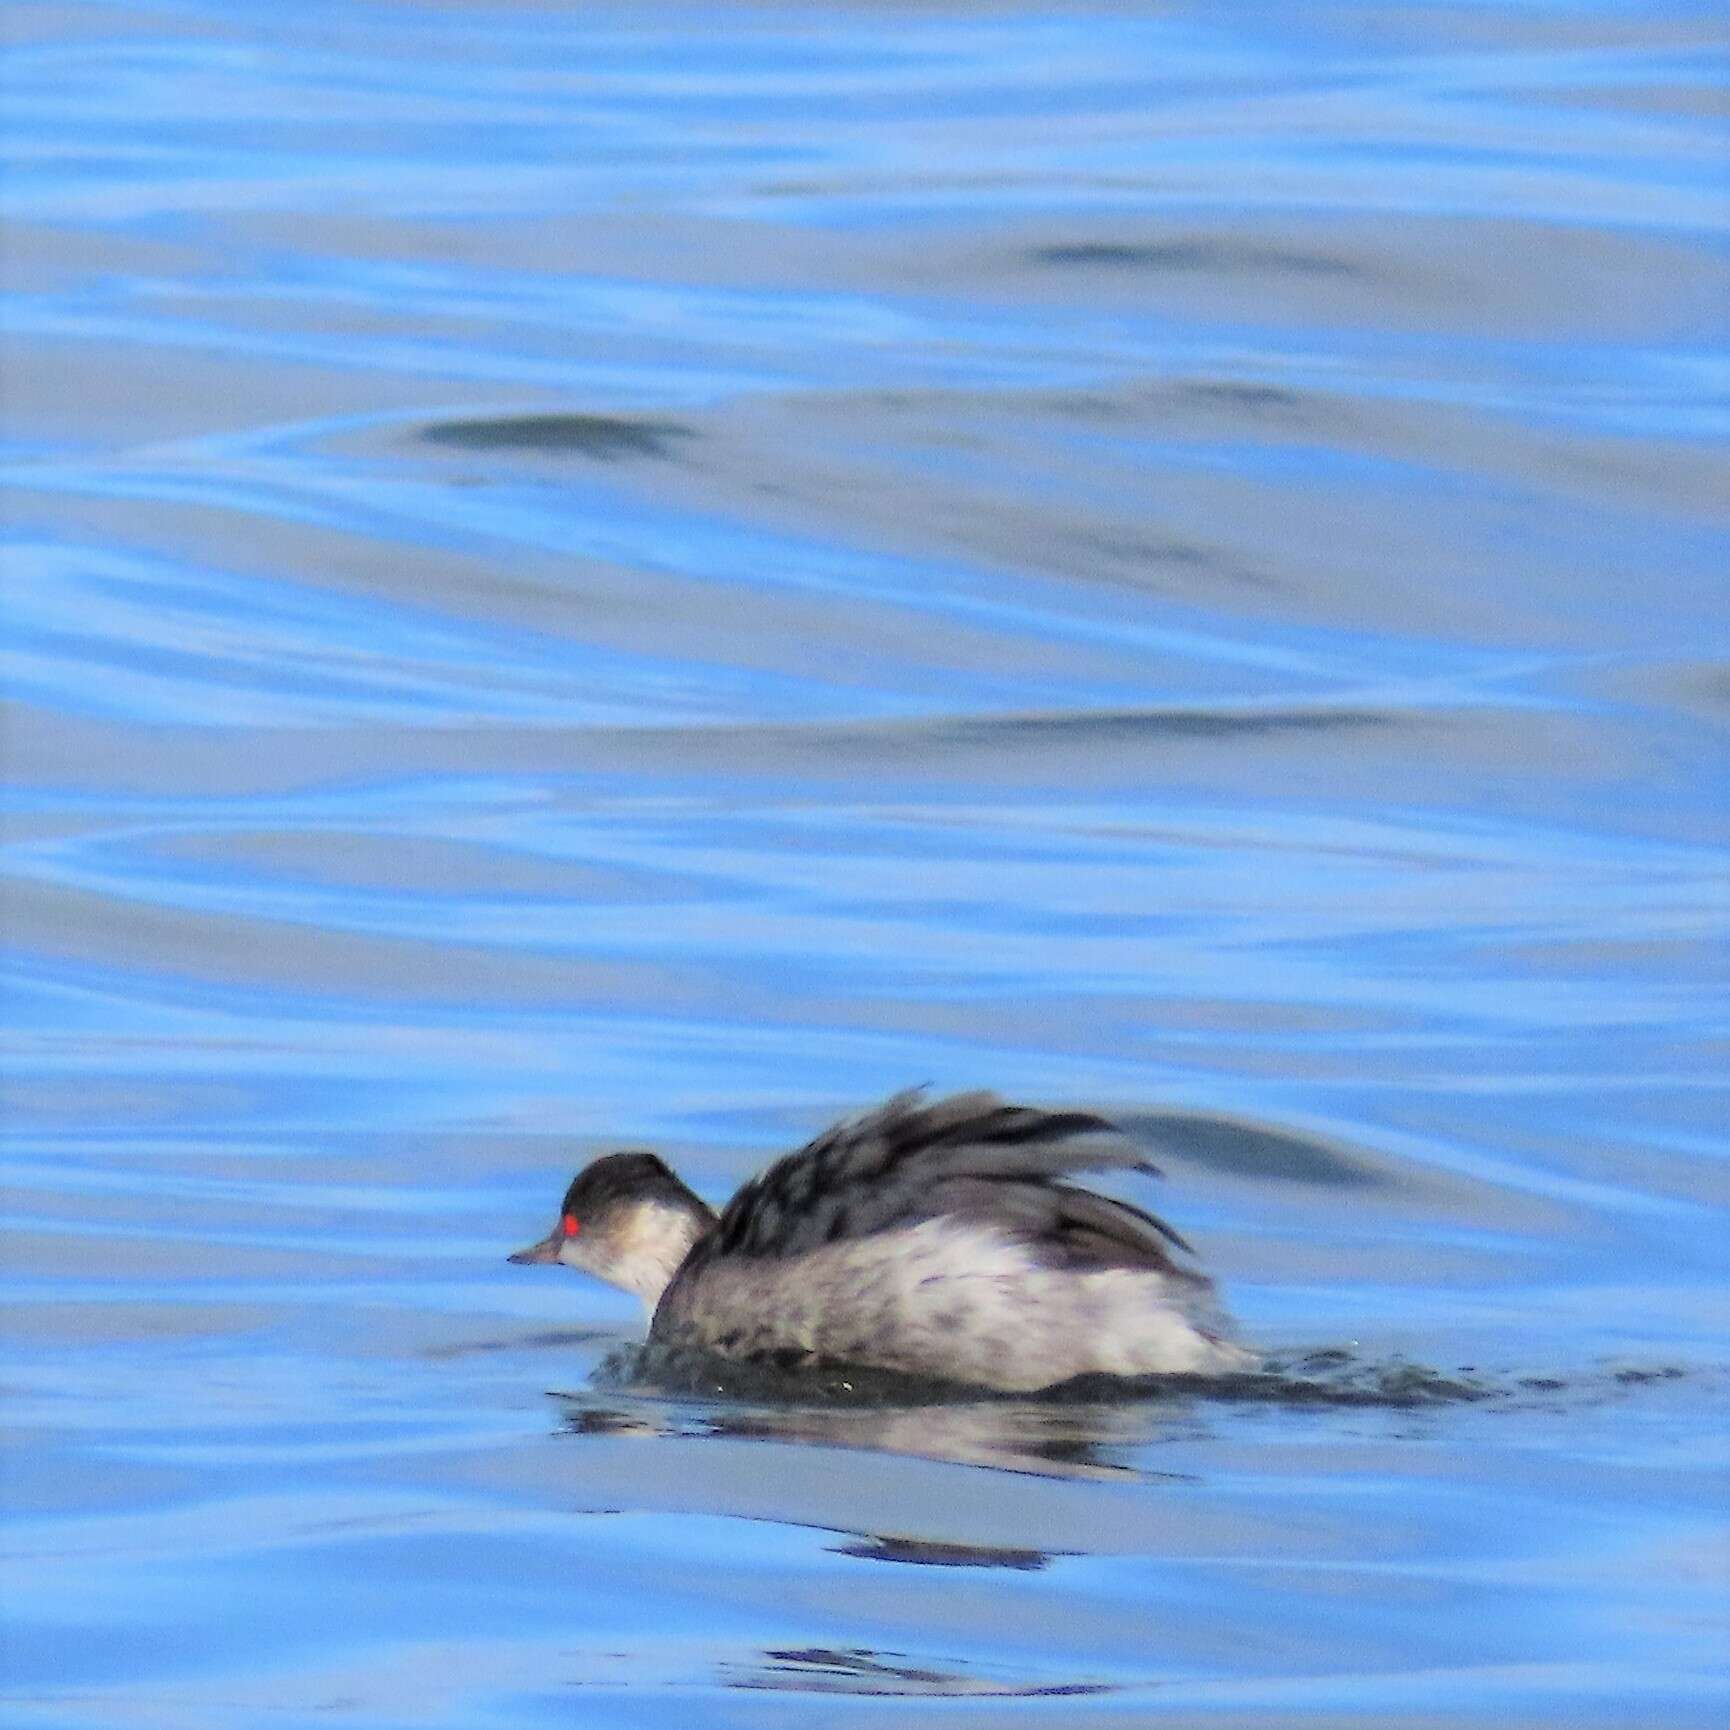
[[584, 576]]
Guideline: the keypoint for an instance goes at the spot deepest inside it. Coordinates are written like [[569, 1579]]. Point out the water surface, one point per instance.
[[591, 577]]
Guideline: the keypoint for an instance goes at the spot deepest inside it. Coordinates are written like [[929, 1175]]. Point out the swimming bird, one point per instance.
[[929, 1236]]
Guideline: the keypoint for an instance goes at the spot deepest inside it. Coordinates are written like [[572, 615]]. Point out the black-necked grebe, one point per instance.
[[927, 1236]]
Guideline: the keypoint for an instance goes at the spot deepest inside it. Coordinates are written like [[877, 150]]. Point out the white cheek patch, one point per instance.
[[637, 1248]]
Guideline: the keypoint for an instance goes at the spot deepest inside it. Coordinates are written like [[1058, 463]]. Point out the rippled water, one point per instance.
[[587, 576]]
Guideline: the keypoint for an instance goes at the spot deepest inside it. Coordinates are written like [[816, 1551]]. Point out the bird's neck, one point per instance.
[[658, 1239]]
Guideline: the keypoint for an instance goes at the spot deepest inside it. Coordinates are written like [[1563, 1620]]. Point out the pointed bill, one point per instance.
[[546, 1250]]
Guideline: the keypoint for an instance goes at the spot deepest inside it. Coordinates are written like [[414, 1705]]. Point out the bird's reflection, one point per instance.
[[860, 1670], [1086, 1429], [1070, 1440]]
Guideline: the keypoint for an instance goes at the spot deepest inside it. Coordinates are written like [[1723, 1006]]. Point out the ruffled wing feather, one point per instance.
[[969, 1156]]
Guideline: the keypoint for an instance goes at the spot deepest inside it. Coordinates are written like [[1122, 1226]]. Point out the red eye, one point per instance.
[[572, 1225]]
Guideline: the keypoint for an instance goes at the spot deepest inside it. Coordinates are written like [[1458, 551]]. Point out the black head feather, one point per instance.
[[625, 1177]]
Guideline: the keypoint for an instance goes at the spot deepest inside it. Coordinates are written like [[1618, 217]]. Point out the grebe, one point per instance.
[[928, 1236]]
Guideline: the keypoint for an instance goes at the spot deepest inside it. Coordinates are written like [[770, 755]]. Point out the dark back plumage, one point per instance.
[[970, 1156]]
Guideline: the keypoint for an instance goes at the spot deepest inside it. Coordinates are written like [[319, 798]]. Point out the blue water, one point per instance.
[[585, 577]]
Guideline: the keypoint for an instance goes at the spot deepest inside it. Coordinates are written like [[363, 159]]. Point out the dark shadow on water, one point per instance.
[[929, 1553], [1109, 724], [606, 438], [1231, 393], [1147, 559], [1189, 255], [1246, 1149]]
